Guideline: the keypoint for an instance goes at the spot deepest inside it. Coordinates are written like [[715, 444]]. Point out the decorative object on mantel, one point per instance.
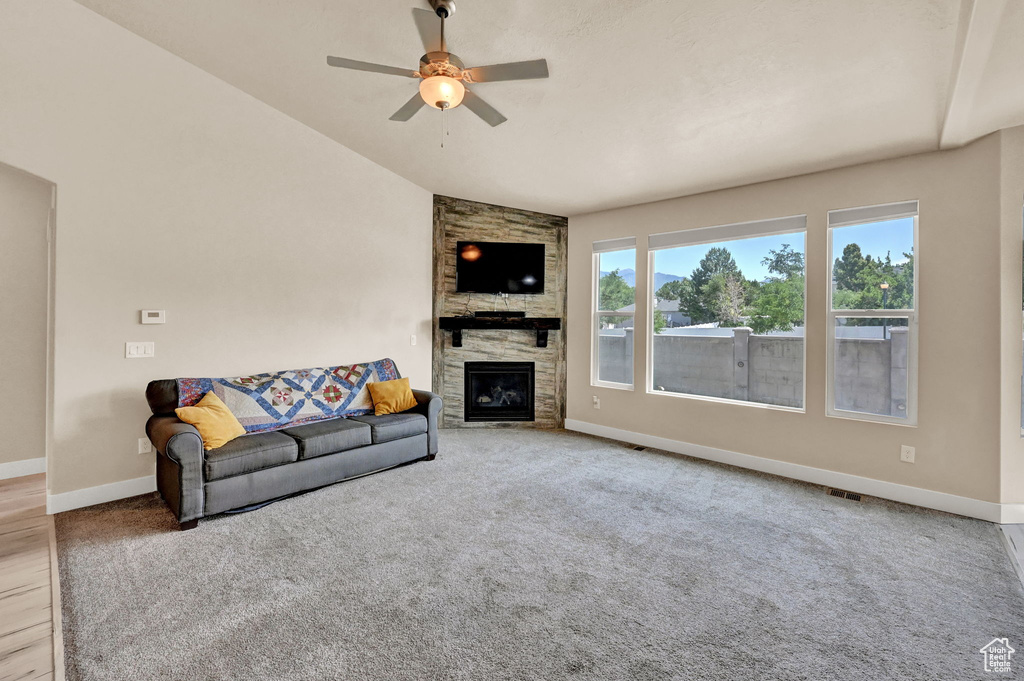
[[539, 324], [443, 74]]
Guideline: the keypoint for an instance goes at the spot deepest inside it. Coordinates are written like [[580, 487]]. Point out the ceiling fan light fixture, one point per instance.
[[442, 92]]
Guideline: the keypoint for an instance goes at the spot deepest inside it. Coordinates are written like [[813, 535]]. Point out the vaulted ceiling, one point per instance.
[[647, 99]]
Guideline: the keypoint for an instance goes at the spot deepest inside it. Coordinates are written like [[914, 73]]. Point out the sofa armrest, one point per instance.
[[181, 484], [429, 404]]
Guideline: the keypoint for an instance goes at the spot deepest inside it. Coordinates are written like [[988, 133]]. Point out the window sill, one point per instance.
[[724, 400], [612, 386], [869, 418]]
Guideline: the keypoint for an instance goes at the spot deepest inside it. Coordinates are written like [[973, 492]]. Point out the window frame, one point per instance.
[[911, 315], [706, 236], [596, 314]]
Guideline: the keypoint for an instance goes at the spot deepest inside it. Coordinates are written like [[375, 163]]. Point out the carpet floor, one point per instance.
[[538, 555]]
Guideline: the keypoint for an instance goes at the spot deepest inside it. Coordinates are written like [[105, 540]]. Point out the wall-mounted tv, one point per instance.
[[489, 267]]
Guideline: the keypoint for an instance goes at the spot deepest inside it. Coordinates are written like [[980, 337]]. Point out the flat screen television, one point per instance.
[[490, 267]]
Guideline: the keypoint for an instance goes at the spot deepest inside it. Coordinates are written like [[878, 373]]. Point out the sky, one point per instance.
[[895, 236]]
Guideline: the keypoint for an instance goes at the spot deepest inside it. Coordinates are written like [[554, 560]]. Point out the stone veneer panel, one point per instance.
[[459, 220]]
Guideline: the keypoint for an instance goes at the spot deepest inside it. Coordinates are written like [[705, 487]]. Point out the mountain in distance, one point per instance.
[[660, 278]]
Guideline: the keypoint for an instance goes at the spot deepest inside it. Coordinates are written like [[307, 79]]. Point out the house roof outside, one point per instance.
[[663, 305]]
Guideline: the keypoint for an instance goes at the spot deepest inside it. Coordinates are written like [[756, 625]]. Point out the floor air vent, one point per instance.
[[843, 494], [639, 449]]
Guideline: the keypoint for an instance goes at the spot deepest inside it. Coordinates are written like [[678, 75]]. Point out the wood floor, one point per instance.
[[31, 644]]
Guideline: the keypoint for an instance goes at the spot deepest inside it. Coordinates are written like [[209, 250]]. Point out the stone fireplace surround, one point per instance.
[[460, 220]]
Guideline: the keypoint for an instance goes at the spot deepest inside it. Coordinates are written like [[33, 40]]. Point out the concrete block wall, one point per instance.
[[862, 375], [777, 370], [871, 374], [898, 371], [694, 365], [616, 357]]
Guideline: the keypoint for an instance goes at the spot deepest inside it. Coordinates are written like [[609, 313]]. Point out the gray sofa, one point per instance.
[[262, 467]]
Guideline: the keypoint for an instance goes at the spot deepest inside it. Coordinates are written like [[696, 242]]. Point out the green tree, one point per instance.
[[615, 293], [901, 284], [672, 290], [704, 301], [849, 268], [785, 262], [659, 320], [779, 307], [859, 280], [779, 304], [716, 261], [727, 297]]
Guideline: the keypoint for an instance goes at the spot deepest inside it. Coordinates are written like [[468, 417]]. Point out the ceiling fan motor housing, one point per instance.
[[441, 64], [443, 8]]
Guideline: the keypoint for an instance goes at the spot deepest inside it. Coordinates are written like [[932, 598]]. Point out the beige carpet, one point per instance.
[[538, 555]]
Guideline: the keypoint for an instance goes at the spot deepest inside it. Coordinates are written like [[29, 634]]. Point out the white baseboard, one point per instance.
[[16, 469], [940, 501], [90, 496], [1013, 514]]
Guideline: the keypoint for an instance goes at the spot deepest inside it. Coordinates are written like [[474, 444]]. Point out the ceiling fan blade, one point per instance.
[[367, 66], [483, 109], [409, 109], [520, 70], [429, 26]]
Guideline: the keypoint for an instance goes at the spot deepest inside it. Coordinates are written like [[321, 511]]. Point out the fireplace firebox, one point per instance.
[[499, 391]]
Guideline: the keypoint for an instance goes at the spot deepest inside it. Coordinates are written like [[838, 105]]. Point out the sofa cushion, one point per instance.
[[393, 426], [250, 453], [216, 424], [391, 397], [329, 437]]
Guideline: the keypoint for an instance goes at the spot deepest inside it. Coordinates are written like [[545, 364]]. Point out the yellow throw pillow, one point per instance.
[[391, 397], [214, 421]]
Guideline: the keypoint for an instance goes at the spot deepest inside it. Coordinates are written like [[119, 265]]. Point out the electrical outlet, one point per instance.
[[597, 402], [145, 446], [412, 339], [907, 453]]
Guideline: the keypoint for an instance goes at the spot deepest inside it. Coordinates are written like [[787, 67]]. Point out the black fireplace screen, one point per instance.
[[499, 391]]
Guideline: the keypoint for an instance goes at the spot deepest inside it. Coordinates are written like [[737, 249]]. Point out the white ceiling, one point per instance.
[[647, 99]]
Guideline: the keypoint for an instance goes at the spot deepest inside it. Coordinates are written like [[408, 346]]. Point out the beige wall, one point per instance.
[[957, 439], [24, 266], [269, 245], [1012, 175]]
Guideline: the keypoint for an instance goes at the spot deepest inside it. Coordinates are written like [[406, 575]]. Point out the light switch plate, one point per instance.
[[139, 350]]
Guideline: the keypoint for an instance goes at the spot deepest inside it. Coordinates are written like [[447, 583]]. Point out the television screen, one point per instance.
[[487, 267]]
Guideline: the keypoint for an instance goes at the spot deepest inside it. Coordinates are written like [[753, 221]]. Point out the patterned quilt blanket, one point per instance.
[[264, 402]]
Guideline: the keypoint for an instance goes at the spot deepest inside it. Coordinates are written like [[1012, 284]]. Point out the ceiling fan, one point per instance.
[[443, 75]]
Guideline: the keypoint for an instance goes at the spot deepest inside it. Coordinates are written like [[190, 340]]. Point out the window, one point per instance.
[[614, 301], [727, 312], [872, 304]]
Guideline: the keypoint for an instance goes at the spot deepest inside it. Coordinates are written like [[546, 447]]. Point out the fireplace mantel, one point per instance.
[[539, 324]]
